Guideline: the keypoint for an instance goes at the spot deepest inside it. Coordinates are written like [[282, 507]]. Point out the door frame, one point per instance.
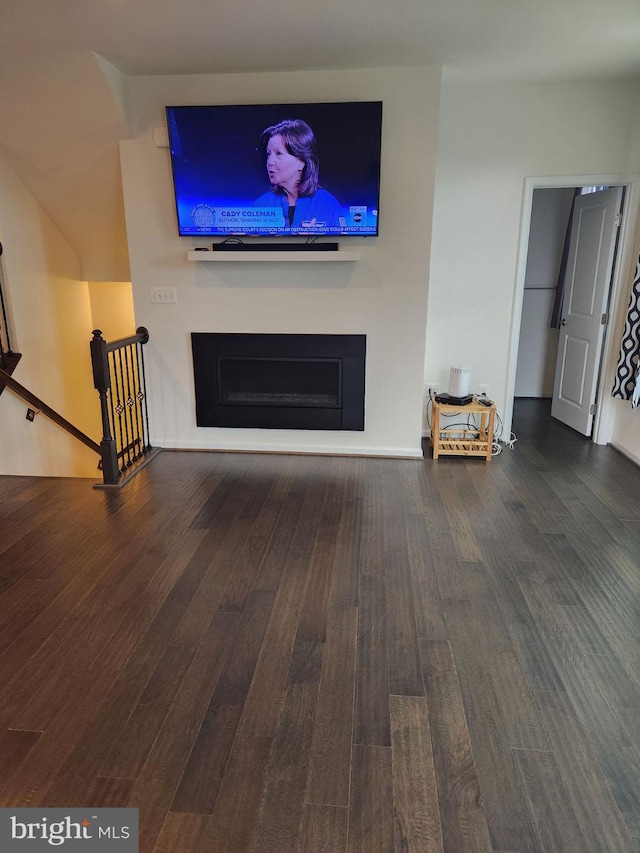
[[624, 267]]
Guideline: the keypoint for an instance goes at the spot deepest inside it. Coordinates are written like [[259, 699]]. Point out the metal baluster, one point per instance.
[[136, 389], [117, 360], [128, 412], [112, 413], [145, 430]]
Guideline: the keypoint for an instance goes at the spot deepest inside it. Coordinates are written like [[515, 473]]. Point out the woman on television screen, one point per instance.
[[293, 170]]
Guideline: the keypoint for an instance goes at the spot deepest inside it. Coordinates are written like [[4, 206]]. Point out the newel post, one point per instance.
[[102, 383]]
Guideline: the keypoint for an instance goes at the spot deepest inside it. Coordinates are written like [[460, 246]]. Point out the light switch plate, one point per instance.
[[164, 295]]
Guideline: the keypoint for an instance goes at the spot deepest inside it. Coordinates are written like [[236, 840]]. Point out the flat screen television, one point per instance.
[[276, 169]]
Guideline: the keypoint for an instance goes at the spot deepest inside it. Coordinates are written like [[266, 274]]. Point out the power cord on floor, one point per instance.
[[499, 443]]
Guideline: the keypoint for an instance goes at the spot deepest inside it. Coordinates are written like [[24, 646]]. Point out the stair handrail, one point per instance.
[[41, 406], [5, 339]]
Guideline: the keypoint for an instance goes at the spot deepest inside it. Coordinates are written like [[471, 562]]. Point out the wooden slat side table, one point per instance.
[[461, 440]]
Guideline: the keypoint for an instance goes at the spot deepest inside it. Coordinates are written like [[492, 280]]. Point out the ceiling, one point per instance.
[[61, 115]]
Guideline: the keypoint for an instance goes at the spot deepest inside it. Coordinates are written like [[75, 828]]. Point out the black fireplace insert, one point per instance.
[[279, 381]]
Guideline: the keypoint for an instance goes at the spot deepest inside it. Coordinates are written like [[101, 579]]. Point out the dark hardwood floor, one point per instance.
[[289, 654]]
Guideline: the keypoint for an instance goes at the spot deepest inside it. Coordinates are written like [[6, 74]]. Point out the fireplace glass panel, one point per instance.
[[300, 382]]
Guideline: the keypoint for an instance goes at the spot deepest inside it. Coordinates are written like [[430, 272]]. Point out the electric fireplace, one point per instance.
[[279, 381]]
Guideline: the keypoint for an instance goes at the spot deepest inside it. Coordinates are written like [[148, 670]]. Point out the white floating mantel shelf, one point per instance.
[[303, 256]]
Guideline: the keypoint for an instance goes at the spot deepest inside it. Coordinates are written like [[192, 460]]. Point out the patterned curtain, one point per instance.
[[627, 382]]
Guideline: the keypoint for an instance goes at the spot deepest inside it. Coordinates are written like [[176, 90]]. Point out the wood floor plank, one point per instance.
[[266, 693], [23, 558], [522, 725], [371, 715], [14, 748], [530, 647], [415, 796], [405, 675], [84, 635], [615, 752], [264, 700], [440, 555], [330, 767], [230, 827], [109, 793], [200, 784], [71, 586], [621, 689], [543, 504], [615, 611], [371, 825], [273, 561], [598, 815], [464, 826], [584, 520], [312, 625], [79, 707], [465, 541], [250, 552], [279, 824], [207, 588], [96, 633], [28, 785], [568, 562], [156, 786], [549, 805], [430, 623], [183, 832], [137, 737], [471, 640], [372, 525], [324, 829], [23, 601], [219, 496], [93, 746], [586, 630], [344, 591]]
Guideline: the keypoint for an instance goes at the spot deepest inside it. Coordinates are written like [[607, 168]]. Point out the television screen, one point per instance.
[[283, 169]]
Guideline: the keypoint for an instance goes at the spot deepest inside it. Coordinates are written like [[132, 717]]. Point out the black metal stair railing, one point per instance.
[[119, 377], [5, 342], [8, 358]]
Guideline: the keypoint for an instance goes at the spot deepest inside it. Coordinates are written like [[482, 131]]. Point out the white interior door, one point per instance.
[[589, 267]]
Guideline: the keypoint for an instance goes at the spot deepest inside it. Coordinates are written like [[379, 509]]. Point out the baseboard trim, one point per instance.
[[338, 450]]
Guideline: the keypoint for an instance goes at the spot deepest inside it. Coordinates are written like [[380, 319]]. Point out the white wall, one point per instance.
[[626, 429], [383, 295], [51, 326], [112, 309], [490, 139]]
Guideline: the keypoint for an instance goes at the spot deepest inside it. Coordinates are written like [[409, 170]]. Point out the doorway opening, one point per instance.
[[589, 254]]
